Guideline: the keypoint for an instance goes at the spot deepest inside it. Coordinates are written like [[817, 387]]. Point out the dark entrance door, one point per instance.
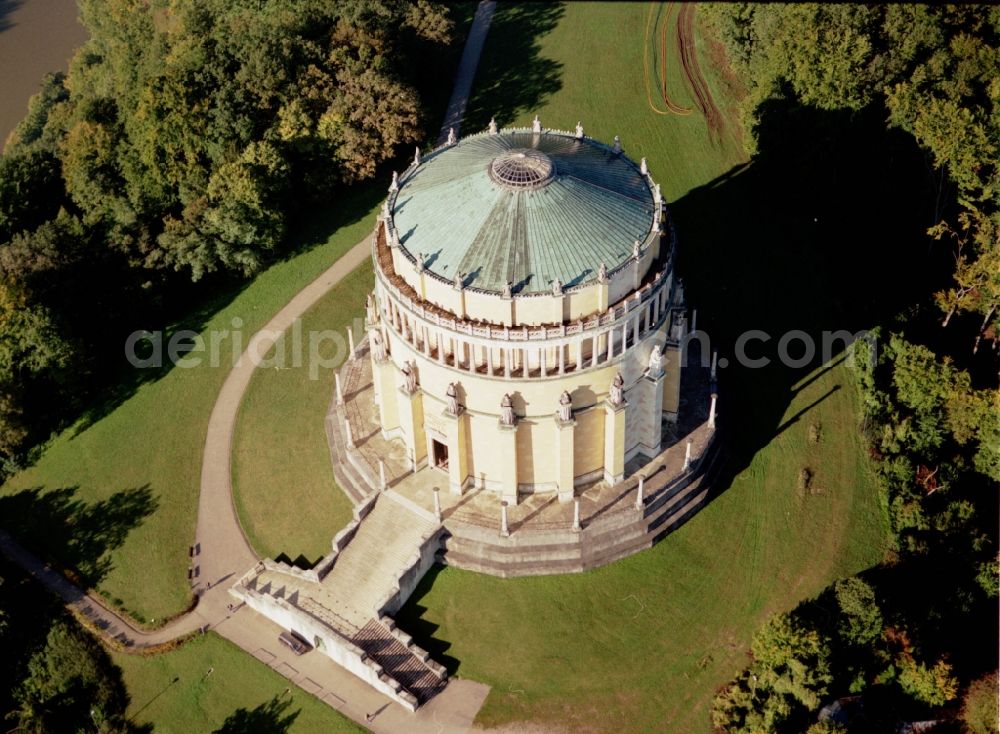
[[440, 454]]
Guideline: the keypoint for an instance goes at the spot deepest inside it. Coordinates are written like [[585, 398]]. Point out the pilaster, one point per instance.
[[457, 432], [565, 431], [614, 442], [411, 420], [507, 448]]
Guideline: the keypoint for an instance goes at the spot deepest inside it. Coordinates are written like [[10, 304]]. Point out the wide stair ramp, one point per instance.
[[385, 552], [376, 557]]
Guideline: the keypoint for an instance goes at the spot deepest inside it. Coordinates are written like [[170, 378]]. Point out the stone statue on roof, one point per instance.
[[416, 157], [637, 250], [507, 417], [370, 314], [565, 406], [617, 394], [643, 167], [493, 126], [452, 139], [602, 274], [536, 125], [617, 147], [459, 283], [507, 289], [452, 394], [420, 262], [579, 131], [394, 186], [557, 287]]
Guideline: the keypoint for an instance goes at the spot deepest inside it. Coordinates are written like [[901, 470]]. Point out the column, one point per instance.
[[506, 362], [489, 361], [564, 458], [579, 353], [594, 351], [562, 358]]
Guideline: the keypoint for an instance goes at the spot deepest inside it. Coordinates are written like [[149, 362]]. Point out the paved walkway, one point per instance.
[[466, 73]]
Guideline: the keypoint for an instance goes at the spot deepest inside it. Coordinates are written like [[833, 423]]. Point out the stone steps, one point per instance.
[[381, 549], [347, 477], [596, 546], [398, 661]]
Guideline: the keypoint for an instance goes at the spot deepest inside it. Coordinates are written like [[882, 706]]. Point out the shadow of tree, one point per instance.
[[78, 535], [6, 8], [268, 718], [503, 89]]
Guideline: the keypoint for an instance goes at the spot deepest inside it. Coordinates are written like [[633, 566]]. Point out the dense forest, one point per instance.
[[914, 639], [181, 146]]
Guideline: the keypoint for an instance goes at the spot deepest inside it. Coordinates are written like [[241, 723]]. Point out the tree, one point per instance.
[[980, 713], [72, 686], [789, 676], [933, 685], [860, 621]]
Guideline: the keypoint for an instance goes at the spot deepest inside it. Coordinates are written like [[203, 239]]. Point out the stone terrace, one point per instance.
[[541, 536]]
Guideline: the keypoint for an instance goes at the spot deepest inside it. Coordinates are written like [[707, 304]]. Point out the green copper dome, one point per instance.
[[525, 208]]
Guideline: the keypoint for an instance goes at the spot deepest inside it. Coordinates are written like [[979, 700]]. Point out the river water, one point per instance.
[[36, 36]]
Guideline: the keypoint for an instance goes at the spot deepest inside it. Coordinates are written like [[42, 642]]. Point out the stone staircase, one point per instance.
[[400, 661], [376, 557], [616, 534], [348, 608]]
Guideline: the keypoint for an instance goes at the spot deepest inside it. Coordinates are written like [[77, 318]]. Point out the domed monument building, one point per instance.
[[526, 324], [521, 401]]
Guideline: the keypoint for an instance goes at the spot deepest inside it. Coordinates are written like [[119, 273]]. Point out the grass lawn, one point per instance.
[[173, 692], [643, 644], [153, 440], [281, 461]]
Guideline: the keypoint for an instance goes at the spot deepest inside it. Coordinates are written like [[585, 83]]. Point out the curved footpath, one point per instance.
[[223, 551]]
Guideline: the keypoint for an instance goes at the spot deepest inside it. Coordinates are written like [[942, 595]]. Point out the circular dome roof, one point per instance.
[[522, 168], [525, 208]]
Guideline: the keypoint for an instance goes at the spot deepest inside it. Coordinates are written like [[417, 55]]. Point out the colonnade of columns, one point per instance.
[[526, 359]]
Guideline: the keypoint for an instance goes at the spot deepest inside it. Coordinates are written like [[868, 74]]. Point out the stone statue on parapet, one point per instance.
[[507, 411], [377, 345], [409, 376], [452, 394], [565, 406], [655, 362], [617, 394]]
